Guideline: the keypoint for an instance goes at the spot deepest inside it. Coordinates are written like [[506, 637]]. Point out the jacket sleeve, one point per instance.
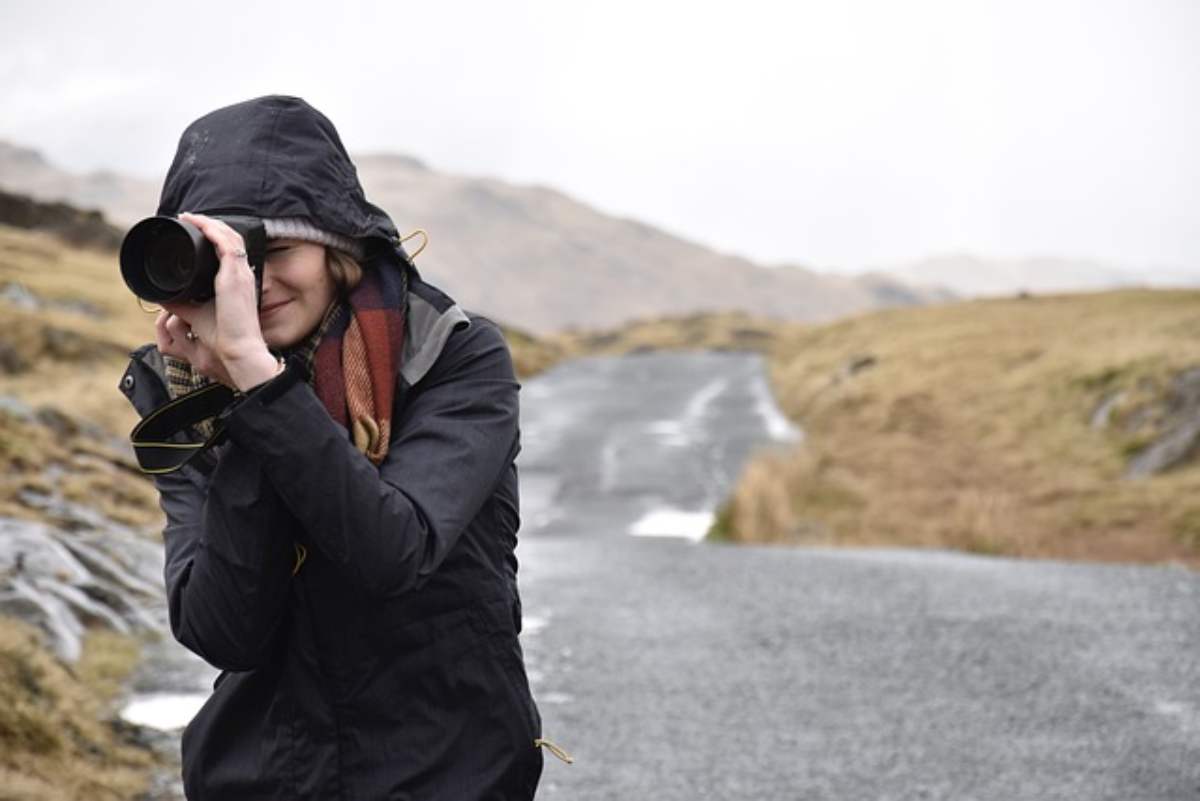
[[228, 563], [388, 528]]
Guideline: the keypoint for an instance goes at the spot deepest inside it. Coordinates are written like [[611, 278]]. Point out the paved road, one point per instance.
[[681, 670]]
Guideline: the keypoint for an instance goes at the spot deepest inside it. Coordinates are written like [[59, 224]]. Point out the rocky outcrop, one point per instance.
[[23, 347], [76, 570], [66, 565], [1176, 425], [81, 228]]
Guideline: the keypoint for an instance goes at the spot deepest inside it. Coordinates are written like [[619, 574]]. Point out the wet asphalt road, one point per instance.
[[679, 670]]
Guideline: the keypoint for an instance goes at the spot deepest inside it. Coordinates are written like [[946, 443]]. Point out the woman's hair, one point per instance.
[[345, 271]]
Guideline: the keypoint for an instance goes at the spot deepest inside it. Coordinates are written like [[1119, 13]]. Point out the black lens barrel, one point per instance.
[[164, 259]]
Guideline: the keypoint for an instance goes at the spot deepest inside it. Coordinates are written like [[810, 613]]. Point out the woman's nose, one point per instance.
[[267, 278]]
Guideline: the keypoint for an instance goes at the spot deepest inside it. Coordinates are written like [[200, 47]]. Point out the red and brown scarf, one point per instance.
[[355, 364]]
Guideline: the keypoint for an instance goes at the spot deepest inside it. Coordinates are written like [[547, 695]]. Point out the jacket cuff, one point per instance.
[[266, 393], [294, 371]]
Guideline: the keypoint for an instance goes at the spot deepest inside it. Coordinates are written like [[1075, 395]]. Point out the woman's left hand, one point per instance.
[[226, 342]]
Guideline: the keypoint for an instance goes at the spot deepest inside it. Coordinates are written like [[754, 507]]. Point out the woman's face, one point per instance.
[[296, 291]]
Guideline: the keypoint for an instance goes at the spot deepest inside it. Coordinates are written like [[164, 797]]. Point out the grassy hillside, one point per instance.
[[66, 332], [64, 347], [979, 426]]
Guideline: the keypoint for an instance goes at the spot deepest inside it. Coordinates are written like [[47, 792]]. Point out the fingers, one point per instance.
[[171, 333], [228, 242], [175, 321], [175, 337], [162, 337], [234, 273], [228, 323]]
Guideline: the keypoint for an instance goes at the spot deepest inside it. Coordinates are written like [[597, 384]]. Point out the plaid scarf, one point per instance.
[[351, 359]]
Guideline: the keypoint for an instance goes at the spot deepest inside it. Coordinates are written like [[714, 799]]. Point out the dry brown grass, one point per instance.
[[709, 331], [57, 738], [65, 364], [531, 354], [971, 429], [57, 735]]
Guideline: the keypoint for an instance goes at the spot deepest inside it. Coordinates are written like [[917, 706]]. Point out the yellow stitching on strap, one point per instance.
[[301, 555], [541, 742], [149, 443], [204, 390]]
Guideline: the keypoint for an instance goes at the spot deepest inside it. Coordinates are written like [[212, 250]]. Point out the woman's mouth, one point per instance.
[[265, 310]]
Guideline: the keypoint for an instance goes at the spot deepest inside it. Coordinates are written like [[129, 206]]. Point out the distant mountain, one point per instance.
[[971, 276], [528, 255], [122, 199]]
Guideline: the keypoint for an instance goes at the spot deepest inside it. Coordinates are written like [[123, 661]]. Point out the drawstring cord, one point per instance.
[[301, 555], [542, 742], [424, 241]]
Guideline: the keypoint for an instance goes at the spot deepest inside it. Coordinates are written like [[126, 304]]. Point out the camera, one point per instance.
[[165, 259]]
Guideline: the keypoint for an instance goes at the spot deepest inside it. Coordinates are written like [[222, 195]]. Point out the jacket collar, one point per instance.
[[432, 317]]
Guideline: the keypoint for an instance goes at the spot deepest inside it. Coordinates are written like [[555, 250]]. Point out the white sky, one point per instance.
[[840, 135]]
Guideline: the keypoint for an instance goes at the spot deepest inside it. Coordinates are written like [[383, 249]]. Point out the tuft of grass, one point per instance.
[[721, 528], [764, 507], [726, 331], [1186, 527], [531, 355]]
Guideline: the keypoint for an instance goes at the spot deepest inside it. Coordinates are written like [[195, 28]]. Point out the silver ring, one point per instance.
[[239, 254], [191, 336]]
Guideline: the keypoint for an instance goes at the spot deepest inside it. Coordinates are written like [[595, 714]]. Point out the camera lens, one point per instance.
[[161, 257], [168, 259]]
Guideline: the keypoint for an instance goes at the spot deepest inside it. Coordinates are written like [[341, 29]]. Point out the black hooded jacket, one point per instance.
[[388, 665]]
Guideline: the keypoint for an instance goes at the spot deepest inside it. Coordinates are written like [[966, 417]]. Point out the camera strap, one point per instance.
[[155, 440]]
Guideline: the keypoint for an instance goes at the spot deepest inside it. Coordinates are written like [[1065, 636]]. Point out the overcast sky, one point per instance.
[[839, 135]]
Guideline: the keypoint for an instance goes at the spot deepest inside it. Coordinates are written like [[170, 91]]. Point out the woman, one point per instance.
[[346, 555]]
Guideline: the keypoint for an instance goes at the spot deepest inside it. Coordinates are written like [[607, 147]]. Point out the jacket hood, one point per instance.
[[273, 156]]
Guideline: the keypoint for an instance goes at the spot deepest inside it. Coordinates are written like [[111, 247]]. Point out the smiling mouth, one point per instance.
[[268, 309]]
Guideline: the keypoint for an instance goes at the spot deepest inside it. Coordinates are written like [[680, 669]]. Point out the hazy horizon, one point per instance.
[[868, 135]]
